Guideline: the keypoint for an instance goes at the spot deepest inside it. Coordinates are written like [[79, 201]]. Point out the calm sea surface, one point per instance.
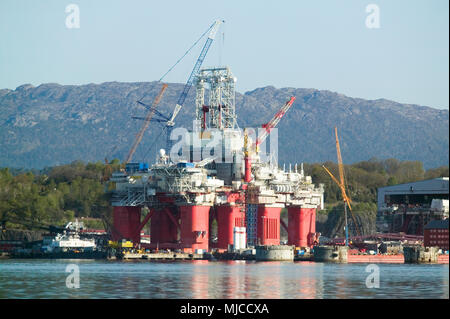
[[233, 279]]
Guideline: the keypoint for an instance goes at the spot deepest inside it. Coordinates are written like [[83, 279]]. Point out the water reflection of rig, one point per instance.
[[184, 192]]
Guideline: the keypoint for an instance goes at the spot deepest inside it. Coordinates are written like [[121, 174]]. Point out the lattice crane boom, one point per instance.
[[170, 123], [341, 182], [341, 187], [147, 120], [274, 121], [340, 163]]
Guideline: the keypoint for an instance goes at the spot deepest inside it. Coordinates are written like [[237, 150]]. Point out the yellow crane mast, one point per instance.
[[341, 184]]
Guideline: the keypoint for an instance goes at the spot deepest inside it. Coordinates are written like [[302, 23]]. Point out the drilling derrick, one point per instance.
[[220, 112], [216, 127]]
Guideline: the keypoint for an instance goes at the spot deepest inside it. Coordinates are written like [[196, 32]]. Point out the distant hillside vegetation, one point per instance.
[[56, 195]]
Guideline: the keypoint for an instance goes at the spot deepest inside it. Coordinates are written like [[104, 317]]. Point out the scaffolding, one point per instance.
[[252, 220], [221, 107]]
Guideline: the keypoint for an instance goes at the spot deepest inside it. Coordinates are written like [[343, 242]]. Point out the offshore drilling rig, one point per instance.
[[216, 171]]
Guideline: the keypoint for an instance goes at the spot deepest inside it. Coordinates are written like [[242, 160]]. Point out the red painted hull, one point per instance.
[[195, 227], [162, 228], [443, 259], [301, 226], [228, 217], [387, 259], [126, 222], [376, 259], [268, 227]]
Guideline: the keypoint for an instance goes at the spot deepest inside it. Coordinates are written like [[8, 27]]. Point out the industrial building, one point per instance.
[[409, 207], [436, 234]]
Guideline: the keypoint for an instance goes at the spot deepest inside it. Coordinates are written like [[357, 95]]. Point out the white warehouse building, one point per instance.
[[409, 207], [422, 192]]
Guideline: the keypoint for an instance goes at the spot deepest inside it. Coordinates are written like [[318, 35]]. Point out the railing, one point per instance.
[[387, 236]]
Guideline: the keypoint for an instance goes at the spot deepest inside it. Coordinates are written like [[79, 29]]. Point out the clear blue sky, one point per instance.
[[307, 44]]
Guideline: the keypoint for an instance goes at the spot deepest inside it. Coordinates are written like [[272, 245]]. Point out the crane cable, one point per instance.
[[222, 46], [153, 144], [343, 169], [173, 66], [179, 60]]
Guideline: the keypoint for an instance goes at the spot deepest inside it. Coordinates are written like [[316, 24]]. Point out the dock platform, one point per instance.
[[163, 256], [388, 259]]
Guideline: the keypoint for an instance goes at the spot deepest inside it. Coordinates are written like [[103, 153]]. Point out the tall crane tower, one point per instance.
[[341, 184], [170, 123]]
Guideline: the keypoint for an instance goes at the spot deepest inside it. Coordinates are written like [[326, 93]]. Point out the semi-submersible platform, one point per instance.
[[218, 174], [214, 172]]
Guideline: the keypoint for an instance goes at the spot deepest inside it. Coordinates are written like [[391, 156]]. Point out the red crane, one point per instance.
[[274, 121], [267, 129]]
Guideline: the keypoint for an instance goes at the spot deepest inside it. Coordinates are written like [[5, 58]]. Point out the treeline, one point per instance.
[[363, 178], [56, 195]]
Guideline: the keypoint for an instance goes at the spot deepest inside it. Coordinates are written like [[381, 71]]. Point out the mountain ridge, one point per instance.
[[53, 124]]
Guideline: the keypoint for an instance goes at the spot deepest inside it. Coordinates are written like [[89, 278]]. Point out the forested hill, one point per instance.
[[56, 195], [54, 124]]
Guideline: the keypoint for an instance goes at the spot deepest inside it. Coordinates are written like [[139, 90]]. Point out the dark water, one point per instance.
[[203, 279]]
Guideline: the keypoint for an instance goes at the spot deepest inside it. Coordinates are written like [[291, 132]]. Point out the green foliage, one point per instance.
[[437, 172], [67, 192], [364, 178], [93, 223], [57, 195], [331, 221]]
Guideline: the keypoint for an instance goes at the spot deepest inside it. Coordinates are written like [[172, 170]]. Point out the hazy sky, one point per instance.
[[307, 44]]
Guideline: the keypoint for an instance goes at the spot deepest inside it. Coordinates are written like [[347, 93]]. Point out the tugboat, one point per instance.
[[66, 244]]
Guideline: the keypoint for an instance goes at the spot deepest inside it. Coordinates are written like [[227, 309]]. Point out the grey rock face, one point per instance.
[[54, 124]]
